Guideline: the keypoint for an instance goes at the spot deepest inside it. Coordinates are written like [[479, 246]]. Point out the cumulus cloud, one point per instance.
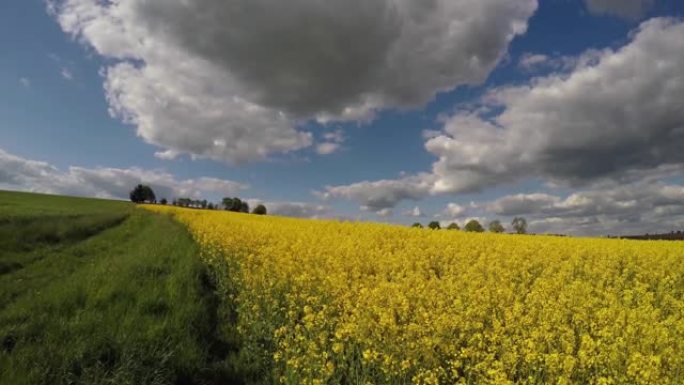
[[18, 173], [454, 210], [294, 209], [459, 214], [627, 9], [615, 116], [232, 80], [519, 204], [381, 195], [616, 112], [614, 208]]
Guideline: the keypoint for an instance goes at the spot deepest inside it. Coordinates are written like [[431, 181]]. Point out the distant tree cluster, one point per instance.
[[236, 205], [194, 203], [259, 210], [671, 236], [453, 226], [519, 226], [473, 226], [144, 194], [496, 227]]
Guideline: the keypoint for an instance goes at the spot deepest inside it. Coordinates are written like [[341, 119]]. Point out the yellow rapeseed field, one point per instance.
[[325, 302]]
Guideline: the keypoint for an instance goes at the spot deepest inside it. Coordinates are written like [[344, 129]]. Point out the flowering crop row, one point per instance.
[[325, 302]]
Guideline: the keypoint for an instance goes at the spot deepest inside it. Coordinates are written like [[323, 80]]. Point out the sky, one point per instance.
[[565, 112]]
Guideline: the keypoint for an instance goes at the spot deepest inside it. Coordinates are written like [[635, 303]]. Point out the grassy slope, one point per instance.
[[19, 204], [95, 292]]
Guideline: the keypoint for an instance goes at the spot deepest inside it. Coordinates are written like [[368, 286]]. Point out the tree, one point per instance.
[[434, 225], [259, 210], [519, 224], [227, 203], [142, 193], [473, 226], [232, 204], [453, 226], [496, 227], [163, 201], [235, 204], [210, 206], [417, 225]]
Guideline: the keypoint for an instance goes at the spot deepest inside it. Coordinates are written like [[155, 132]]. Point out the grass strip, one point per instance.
[[122, 300]]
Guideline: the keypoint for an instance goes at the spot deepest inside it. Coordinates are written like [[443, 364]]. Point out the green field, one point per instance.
[[99, 292]]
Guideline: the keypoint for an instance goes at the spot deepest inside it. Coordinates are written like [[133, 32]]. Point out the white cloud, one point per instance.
[[18, 173], [617, 111], [429, 134], [383, 194], [454, 210], [194, 112], [294, 209], [232, 80], [166, 155], [336, 136], [25, 82], [532, 62], [610, 208], [66, 74], [528, 61], [615, 117], [628, 9], [522, 204], [385, 213], [415, 212], [455, 213], [333, 142], [327, 148]]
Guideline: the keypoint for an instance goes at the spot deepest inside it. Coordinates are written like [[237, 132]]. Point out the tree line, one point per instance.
[[144, 194], [519, 226]]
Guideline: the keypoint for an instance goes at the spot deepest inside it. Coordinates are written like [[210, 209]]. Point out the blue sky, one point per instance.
[[59, 136]]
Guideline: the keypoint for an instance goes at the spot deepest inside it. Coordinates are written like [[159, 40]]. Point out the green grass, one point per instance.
[[20, 204], [99, 292]]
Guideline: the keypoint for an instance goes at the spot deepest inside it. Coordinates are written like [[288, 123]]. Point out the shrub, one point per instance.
[[473, 226], [259, 210]]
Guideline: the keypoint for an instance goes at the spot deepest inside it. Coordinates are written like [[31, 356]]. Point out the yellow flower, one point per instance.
[[444, 307]]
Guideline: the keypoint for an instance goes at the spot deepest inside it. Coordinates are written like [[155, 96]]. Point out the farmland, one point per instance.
[[99, 292], [324, 302]]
